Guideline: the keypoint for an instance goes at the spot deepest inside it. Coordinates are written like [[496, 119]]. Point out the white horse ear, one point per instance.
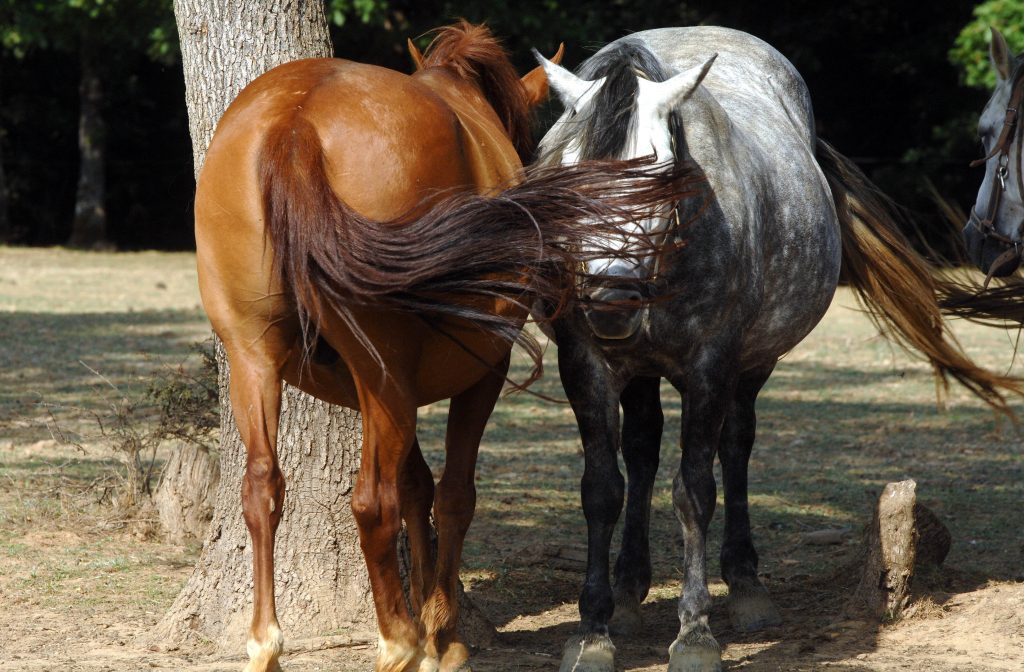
[[568, 87], [673, 91], [1000, 54]]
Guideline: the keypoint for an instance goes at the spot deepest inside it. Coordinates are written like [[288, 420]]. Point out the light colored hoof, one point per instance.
[[426, 664], [751, 609], [263, 656], [626, 620], [697, 652], [588, 653]]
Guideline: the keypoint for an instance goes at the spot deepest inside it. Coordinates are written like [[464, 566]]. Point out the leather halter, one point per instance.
[[1002, 149]]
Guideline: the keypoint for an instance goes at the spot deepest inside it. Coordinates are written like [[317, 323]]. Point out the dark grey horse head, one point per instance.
[[996, 225], [619, 106]]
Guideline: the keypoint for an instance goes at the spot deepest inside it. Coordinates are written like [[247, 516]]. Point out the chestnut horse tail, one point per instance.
[[895, 284], [455, 259], [998, 306]]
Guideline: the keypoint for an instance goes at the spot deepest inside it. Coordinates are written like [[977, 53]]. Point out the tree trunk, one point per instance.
[[89, 228], [187, 493], [319, 571], [6, 229]]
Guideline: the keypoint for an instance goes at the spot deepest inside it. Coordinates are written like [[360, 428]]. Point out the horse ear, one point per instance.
[[417, 57], [677, 89], [536, 81], [999, 52], [568, 87]]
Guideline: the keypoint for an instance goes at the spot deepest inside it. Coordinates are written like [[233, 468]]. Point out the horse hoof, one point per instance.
[[588, 653], [626, 620], [696, 652], [751, 609]]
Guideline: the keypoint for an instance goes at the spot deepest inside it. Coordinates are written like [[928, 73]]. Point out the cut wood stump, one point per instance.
[[902, 534], [891, 547]]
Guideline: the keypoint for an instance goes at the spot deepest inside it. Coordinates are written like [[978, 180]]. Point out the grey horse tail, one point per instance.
[[897, 286]]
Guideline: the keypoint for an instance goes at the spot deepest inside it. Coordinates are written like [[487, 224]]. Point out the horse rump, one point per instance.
[[520, 245]]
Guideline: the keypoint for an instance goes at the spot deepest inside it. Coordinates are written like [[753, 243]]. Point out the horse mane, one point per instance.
[[613, 110], [473, 53]]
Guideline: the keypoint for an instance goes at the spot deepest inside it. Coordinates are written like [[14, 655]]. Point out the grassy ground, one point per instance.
[[843, 414]]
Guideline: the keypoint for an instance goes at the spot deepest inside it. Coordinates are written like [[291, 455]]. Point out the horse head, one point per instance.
[[994, 230], [621, 107]]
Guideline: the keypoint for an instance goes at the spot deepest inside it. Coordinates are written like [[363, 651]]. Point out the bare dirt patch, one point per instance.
[[843, 415]]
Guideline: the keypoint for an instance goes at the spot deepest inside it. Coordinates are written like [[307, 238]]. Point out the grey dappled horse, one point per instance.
[[742, 275], [994, 230]]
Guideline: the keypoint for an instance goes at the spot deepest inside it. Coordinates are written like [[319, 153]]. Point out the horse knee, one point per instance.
[[262, 491]]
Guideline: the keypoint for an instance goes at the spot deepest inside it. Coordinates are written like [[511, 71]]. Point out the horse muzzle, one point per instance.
[[993, 255], [613, 313]]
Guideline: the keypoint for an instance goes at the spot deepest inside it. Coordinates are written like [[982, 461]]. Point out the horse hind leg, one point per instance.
[[389, 431], [256, 402], [750, 607], [417, 497], [453, 510], [642, 423]]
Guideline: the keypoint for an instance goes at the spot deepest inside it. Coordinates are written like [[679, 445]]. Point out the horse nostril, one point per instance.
[[611, 298]]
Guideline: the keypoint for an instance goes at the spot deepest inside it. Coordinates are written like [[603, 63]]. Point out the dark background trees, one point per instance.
[[880, 72]]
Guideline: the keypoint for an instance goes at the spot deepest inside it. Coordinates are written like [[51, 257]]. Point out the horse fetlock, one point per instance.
[[695, 650], [626, 620], [751, 608], [263, 655], [398, 656], [588, 653]]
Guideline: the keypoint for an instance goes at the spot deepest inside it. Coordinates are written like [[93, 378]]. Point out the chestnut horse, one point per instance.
[[348, 243]]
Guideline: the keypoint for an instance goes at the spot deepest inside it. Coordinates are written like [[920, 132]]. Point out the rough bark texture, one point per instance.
[[89, 228], [186, 495], [891, 548], [320, 575]]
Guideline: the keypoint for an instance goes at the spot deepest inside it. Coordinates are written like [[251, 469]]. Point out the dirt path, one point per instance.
[[843, 415]]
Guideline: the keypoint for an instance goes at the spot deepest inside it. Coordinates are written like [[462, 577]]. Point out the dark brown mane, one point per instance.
[[474, 53]]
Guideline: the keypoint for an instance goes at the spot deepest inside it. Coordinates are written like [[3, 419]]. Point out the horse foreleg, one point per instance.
[[453, 511], [707, 392], [389, 430], [595, 401], [417, 498], [256, 402], [642, 423], [750, 608]]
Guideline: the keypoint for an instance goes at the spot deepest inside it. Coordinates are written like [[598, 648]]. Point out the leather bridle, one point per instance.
[[1002, 149]]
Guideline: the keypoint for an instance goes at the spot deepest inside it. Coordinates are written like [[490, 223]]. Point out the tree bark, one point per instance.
[[89, 228], [320, 575], [6, 229]]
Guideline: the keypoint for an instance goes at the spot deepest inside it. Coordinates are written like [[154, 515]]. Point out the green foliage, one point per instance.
[[62, 25], [368, 12], [970, 52]]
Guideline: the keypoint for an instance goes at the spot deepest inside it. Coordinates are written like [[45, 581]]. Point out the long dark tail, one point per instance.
[[895, 284], [454, 259]]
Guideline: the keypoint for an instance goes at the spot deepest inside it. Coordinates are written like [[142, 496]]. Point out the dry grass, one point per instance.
[[843, 415]]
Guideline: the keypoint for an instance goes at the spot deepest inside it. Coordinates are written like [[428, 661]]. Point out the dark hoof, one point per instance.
[[626, 619], [751, 609], [697, 651], [588, 653]]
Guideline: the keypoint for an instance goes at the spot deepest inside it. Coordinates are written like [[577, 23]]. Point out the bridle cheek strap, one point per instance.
[[1003, 149]]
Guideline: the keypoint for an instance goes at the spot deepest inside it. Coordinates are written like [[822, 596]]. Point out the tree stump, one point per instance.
[[186, 495], [891, 543], [933, 537]]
